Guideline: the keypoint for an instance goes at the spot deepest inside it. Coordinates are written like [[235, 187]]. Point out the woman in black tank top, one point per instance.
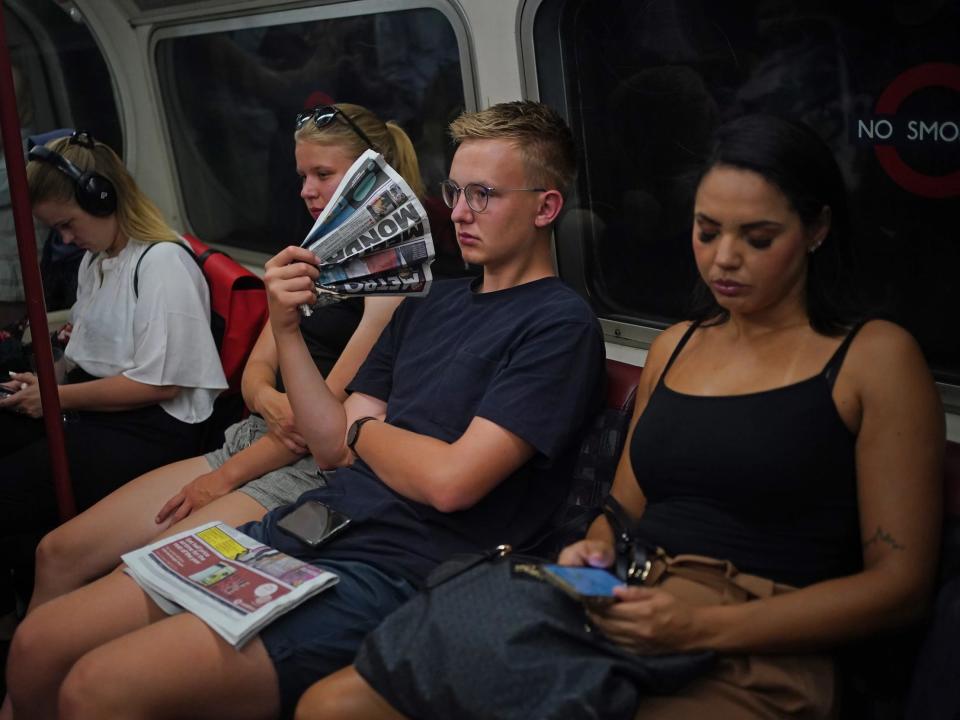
[[775, 431], [788, 452]]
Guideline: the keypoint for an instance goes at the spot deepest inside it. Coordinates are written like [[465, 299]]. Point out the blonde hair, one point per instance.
[[137, 216], [539, 133], [388, 138]]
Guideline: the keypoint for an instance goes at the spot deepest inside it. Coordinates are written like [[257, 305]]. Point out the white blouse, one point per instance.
[[161, 337]]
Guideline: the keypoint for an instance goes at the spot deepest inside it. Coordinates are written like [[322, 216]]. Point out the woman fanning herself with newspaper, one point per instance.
[[785, 456], [264, 462]]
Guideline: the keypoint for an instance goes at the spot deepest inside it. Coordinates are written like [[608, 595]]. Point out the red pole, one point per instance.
[[32, 285]]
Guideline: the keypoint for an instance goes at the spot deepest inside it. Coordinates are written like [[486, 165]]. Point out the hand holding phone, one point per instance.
[[313, 523], [591, 586]]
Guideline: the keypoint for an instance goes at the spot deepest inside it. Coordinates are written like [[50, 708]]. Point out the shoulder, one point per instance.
[[885, 361], [559, 301], [662, 347], [881, 347]]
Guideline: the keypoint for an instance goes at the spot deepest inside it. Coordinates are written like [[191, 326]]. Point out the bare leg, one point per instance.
[[55, 635], [91, 544], [344, 696], [174, 668]]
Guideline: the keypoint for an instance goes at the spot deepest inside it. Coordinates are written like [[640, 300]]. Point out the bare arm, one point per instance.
[[448, 476], [899, 465], [110, 394], [266, 454], [377, 312], [321, 416], [596, 549]]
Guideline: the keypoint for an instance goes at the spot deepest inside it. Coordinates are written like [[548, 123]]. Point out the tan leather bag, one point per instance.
[[741, 686]]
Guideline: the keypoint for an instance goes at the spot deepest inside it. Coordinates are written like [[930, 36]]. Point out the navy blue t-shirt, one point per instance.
[[529, 358]]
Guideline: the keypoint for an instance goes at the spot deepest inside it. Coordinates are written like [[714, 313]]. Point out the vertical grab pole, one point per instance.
[[33, 287]]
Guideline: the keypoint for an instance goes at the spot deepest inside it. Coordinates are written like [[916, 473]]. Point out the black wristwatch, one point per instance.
[[353, 434]]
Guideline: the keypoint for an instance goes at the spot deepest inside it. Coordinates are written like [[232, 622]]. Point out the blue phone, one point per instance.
[[587, 584]]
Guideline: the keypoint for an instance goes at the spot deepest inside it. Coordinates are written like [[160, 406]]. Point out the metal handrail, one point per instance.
[[32, 284]]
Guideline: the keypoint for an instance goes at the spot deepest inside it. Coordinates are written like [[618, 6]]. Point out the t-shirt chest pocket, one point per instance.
[[460, 388]]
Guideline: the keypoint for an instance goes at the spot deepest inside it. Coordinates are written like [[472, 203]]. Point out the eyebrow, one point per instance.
[[746, 226]]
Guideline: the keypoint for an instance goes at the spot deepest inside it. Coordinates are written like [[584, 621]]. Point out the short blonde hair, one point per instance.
[[137, 215], [542, 136], [388, 137]]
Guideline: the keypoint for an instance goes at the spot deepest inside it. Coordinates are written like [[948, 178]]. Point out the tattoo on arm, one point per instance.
[[882, 536]]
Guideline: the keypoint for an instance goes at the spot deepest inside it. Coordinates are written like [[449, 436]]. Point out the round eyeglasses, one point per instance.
[[323, 115], [476, 195]]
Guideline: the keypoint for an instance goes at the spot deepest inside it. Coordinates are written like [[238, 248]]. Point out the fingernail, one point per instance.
[[23, 386]]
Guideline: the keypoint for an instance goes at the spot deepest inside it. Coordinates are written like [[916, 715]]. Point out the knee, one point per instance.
[[342, 696], [54, 552], [88, 691], [33, 659]]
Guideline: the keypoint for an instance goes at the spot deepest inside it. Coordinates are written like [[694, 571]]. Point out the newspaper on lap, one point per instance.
[[233, 583], [373, 237]]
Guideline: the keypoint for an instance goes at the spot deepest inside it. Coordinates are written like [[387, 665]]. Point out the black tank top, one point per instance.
[[766, 480]]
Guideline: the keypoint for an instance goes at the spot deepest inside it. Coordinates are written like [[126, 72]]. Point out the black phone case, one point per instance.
[[302, 524]]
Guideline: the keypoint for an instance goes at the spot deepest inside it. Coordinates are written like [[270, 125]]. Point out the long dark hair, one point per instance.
[[793, 158]]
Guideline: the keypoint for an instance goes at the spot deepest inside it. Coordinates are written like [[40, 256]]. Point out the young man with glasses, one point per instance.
[[459, 435]]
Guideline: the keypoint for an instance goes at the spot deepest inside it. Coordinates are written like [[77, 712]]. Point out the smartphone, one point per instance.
[[589, 585], [313, 523], [6, 392]]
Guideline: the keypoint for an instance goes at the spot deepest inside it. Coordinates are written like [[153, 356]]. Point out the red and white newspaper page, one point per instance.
[[230, 581]]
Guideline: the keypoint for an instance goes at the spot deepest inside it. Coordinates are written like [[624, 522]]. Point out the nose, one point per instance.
[[461, 212], [67, 236], [308, 190], [727, 252]]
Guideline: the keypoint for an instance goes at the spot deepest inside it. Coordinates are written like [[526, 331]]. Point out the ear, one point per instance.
[[822, 229], [551, 203]]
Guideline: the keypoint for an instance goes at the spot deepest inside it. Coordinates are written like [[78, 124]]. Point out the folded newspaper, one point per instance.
[[373, 237], [229, 580]]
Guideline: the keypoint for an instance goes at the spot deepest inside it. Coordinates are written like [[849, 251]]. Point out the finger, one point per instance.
[[296, 299], [169, 507], [23, 378], [290, 254], [297, 438], [634, 593], [290, 444], [185, 509]]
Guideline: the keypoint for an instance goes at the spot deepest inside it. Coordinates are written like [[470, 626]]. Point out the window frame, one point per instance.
[[269, 17]]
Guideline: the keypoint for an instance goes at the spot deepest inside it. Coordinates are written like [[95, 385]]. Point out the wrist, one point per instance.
[[230, 475], [354, 433], [65, 393]]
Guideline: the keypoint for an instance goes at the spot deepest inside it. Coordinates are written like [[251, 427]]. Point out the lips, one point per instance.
[[467, 239], [729, 288], [315, 212]]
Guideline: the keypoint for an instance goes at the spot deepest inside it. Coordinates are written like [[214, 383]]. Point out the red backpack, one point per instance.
[[238, 306]]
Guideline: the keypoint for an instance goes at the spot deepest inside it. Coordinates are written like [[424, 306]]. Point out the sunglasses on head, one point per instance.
[[323, 115]]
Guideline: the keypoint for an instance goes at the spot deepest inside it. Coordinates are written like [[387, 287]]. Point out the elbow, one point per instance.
[[446, 493], [330, 458], [167, 392]]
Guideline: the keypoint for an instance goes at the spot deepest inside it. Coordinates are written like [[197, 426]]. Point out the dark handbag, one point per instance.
[[493, 643]]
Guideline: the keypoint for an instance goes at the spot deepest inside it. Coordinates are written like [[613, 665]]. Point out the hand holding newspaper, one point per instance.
[[233, 583], [373, 237]]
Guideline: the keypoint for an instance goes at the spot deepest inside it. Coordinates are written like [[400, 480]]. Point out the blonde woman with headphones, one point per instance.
[[145, 369]]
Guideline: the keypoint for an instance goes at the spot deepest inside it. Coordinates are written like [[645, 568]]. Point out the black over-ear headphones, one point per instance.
[[94, 193]]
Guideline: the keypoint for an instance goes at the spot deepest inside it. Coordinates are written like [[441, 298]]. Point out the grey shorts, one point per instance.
[[277, 487]]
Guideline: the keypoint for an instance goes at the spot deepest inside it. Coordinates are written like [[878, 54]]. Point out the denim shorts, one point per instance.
[[323, 634]]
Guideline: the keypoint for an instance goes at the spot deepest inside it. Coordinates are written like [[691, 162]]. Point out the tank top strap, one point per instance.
[[832, 368], [676, 351]]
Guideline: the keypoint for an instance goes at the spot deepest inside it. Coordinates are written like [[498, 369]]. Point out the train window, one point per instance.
[[64, 78], [644, 83], [231, 95]]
